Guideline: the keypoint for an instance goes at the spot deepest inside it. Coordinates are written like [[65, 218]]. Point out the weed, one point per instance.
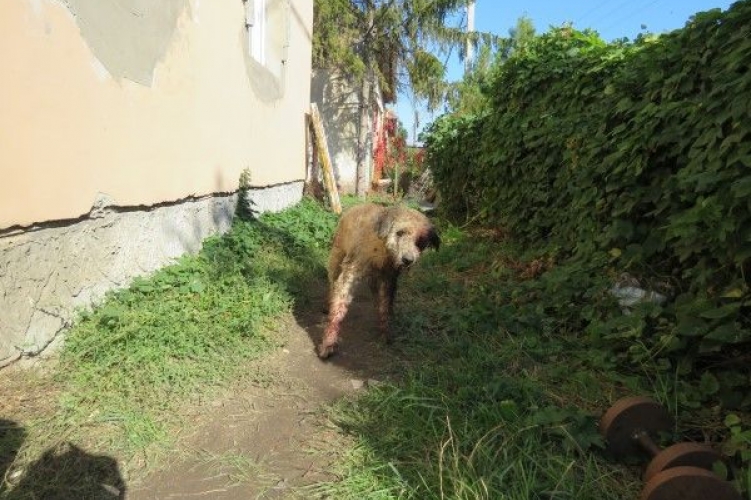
[[500, 399], [502, 385], [128, 365]]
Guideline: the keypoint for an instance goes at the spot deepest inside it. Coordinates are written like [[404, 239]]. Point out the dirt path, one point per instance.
[[265, 442]]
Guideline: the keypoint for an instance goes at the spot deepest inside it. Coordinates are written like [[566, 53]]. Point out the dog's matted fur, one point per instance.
[[374, 243]]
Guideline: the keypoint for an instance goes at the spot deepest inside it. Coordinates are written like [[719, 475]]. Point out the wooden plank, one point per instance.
[[329, 180]]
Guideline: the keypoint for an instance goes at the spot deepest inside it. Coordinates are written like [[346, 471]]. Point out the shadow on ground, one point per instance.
[[64, 472], [268, 437], [361, 351]]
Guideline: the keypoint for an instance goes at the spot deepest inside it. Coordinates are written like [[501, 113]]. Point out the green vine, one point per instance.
[[637, 155]]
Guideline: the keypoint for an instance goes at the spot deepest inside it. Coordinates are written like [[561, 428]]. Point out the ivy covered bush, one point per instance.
[[637, 155]]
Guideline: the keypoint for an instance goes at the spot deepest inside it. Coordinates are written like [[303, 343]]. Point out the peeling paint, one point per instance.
[[99, 70], [129, 37]]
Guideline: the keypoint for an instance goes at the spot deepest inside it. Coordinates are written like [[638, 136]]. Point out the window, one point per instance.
[[255, 22], [267, 24]]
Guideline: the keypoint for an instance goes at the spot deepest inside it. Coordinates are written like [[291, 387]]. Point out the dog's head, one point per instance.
[[406, 234]]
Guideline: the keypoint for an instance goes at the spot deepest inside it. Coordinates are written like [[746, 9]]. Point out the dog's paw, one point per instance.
[[324, 351]]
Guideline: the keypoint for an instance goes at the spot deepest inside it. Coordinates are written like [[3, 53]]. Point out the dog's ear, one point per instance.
[[429, 239], [433, 239], [384, 222]]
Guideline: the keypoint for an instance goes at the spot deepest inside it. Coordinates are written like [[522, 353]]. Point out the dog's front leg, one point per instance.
[[340, 298], [386, 297]]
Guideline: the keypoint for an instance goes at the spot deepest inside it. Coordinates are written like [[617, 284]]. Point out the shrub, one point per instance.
[[636, 154]]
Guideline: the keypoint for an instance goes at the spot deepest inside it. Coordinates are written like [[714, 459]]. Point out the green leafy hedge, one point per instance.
[[636, 151]]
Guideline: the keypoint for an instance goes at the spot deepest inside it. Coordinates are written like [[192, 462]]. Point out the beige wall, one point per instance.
[[337, 97], [74, 124]]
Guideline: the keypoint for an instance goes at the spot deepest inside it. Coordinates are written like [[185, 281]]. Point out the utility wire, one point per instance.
[[634, 13], [600, 5], [611, 12]]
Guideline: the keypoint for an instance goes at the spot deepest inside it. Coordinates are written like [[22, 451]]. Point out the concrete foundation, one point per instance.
[[50, 271]]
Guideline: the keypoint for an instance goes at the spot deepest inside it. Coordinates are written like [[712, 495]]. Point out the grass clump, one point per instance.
[[128, 364], [500, 398], [190, 324]]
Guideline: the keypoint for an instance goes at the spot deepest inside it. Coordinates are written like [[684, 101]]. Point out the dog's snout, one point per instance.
[[407, 260]]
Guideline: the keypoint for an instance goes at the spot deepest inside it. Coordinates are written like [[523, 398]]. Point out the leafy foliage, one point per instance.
[[633, 156], [399, 41], [469, 95], [496, 400]]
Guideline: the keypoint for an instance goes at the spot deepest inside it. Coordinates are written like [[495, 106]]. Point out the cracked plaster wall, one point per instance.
[[146, 101], [49, 272], [153, 103], [129, 37]]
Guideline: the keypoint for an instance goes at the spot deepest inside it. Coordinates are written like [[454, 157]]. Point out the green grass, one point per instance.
[[190, 324], [499, 401], [502, 383], [506, 378], [130, 364]]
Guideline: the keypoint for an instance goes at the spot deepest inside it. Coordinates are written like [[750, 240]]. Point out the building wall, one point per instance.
[[145, 102], [46, 274], [124, 127], [338, 101]]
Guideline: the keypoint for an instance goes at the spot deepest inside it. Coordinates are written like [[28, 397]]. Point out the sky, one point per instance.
[[612, 19]]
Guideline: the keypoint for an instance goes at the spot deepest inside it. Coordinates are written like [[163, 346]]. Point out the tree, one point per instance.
[[521, 35], [468, 96], [394, 43]]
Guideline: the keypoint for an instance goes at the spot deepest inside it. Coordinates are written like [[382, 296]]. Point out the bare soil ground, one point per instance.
[[271, 440]]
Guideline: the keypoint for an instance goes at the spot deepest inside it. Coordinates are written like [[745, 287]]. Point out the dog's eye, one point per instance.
[[400, 233]]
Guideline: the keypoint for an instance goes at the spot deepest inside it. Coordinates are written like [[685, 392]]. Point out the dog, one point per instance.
[[375, 243]]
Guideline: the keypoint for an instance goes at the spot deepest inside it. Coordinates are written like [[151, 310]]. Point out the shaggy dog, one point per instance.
[[372, 242]]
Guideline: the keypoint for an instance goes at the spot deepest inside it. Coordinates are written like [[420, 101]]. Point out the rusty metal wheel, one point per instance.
[[688, 483], [682, 454], [622, 423]]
